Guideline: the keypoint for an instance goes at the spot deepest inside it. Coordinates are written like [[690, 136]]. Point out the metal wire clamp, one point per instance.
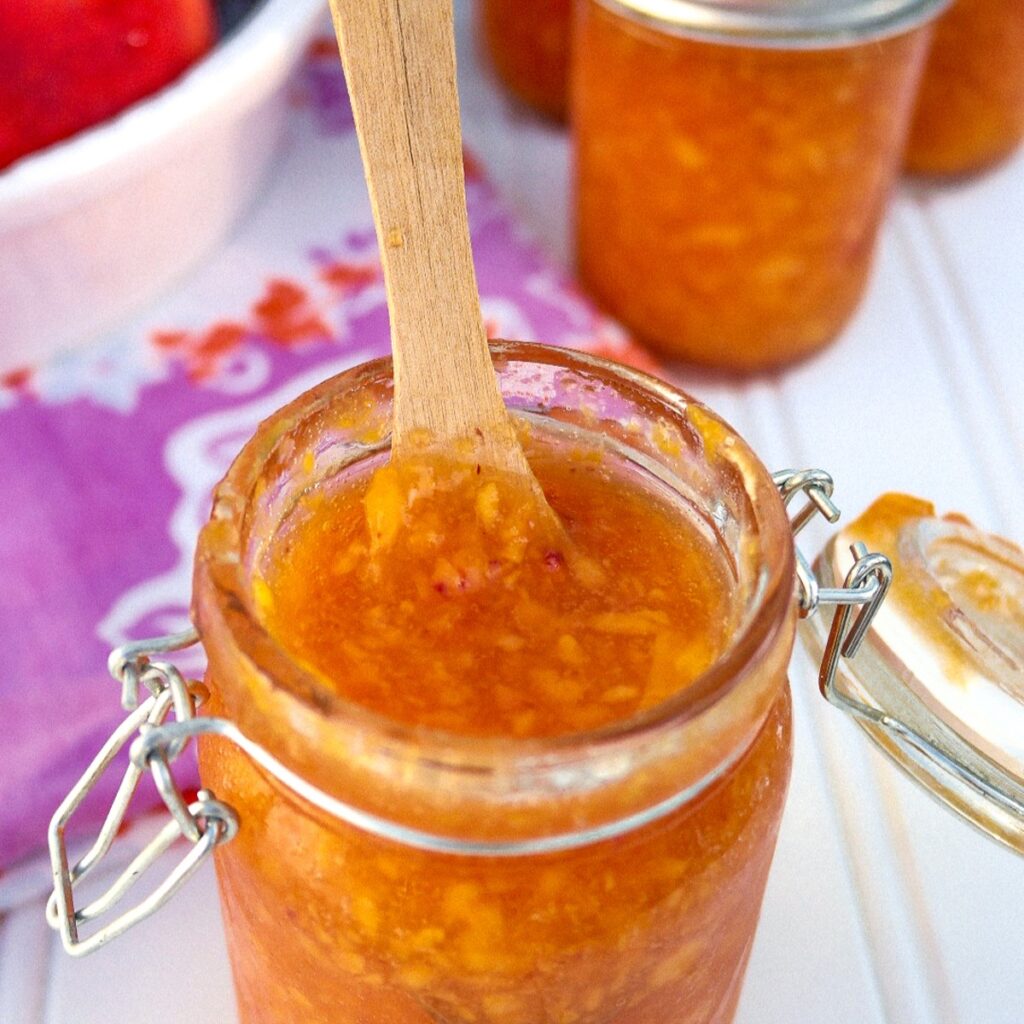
[[205, 821], [865, 587]]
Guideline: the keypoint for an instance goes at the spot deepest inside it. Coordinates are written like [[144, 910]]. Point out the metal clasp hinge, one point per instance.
[[206, 822], [948, 765], [865, 587]]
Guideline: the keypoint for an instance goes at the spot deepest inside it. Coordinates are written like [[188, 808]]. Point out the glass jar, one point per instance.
[[376, 872], [970, 111], [527, 43], [733, 163], [614, 873]]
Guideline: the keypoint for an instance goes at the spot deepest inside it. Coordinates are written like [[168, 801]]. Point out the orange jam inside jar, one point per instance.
[[733, 166], [527, 42], [560, 759], [970, 111]]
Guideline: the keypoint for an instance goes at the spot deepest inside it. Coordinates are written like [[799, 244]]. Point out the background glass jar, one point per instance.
[[616, 874], [970, 111], [527, 42], [733, 163]]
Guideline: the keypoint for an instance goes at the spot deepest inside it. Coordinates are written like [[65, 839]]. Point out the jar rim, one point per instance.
[[781, 24], [223, 607]]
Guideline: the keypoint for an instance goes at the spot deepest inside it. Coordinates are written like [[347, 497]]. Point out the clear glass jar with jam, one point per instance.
[[733, 162], [382, 860], [527, 44], [970, 110], [569, 874]]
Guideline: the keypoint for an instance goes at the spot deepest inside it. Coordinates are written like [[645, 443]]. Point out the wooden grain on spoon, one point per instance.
[[399, 58]]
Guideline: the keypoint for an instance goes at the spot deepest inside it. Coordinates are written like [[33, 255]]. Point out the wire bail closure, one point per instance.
[[866, 585], [207, 822]]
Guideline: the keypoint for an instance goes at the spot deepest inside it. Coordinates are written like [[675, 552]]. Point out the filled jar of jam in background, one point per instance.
[[609, 874], [527, 44], [733, 164], [970, 110]]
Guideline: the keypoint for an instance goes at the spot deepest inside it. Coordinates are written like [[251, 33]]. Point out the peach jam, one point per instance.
[[565, 752], [970, 111], [527, 42], [732, 169]]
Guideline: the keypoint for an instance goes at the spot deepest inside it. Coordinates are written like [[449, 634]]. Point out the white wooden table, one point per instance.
[[881, 908]]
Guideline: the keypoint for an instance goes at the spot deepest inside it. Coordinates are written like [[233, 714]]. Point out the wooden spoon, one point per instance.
[[399, 58]]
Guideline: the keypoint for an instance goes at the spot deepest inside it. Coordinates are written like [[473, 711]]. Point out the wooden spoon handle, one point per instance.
[[399, 58]]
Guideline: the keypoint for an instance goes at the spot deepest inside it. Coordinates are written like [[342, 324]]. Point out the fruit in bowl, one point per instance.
[[96, 223], [66, 65]]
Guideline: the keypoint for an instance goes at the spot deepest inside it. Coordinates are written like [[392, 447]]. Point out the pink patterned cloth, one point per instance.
[[108, 455]]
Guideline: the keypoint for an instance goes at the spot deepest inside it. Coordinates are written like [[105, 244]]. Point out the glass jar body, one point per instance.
[[326, 923], [527, 42], [728, 198], [645, 913], [970, 111]]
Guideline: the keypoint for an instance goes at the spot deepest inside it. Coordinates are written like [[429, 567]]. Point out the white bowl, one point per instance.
[[94, 227]]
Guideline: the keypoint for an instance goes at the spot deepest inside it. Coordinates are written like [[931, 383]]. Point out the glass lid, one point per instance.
[[782, 23], [939, 680]]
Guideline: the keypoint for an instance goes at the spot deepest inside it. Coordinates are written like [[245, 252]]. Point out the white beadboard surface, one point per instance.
[[882, 908]]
